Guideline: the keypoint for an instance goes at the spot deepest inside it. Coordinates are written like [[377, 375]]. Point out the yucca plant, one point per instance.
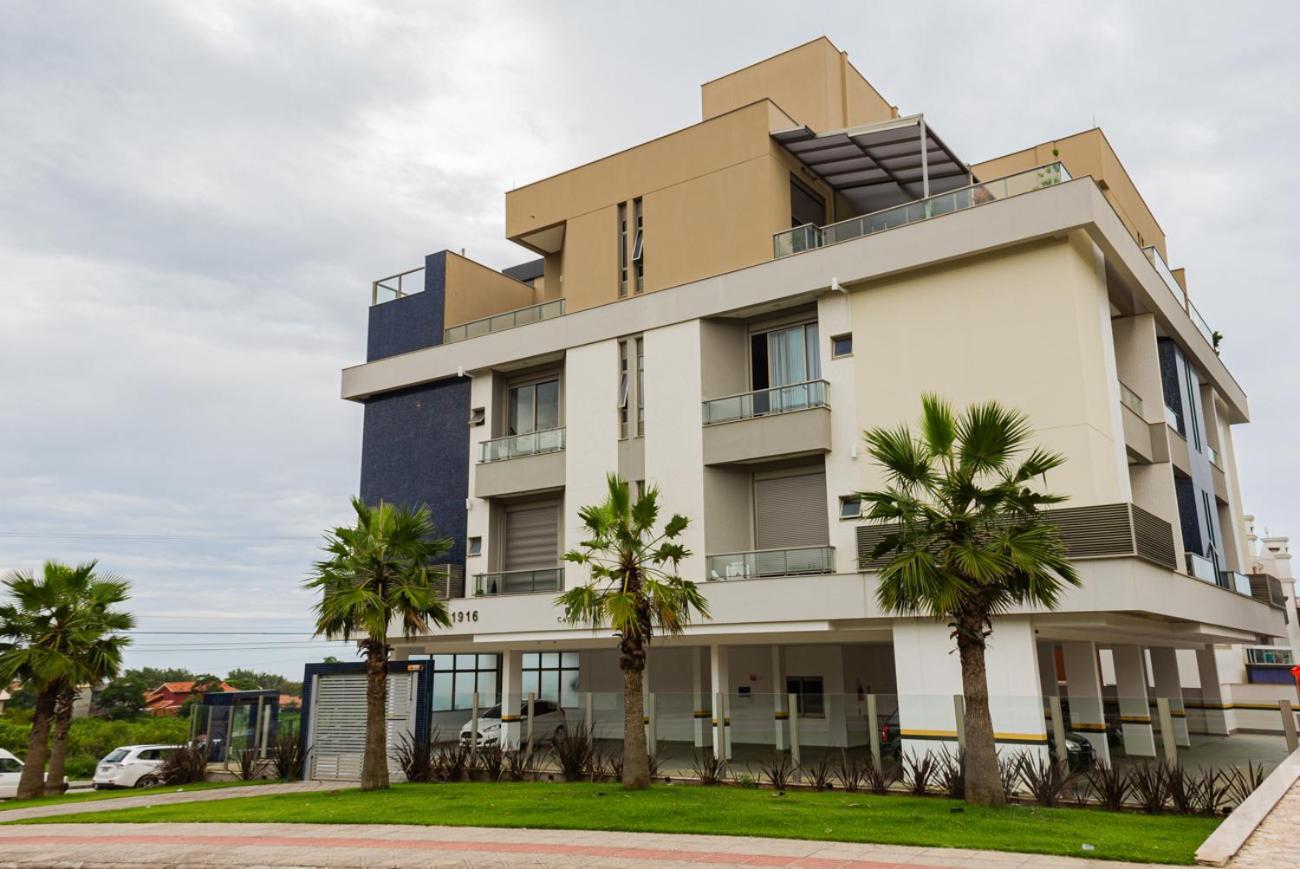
[[778, 771], [575, 753], [851, 771], [920, 771], [1149, 782], [951, 773], [819, 772], [414, 757], [1110, 786], [708, 768], [1043, 778], [967, 541]]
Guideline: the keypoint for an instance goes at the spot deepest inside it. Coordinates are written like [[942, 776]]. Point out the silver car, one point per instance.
[[548, 724]]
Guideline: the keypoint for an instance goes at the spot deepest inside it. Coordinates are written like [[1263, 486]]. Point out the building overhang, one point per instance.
[[878, 166]]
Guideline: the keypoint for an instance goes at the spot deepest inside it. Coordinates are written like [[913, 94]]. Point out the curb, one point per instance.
[[1224, 843]]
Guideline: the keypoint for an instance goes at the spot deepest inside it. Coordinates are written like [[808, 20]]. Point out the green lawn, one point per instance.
[[90, 796], [839, 816]]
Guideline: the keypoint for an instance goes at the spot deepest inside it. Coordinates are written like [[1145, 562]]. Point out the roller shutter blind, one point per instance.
[[790, 511], [532, 536]]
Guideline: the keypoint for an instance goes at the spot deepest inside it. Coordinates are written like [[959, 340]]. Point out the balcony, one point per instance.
[[397, 286], [513, 446], [520, 463], [810, 237], [769, 423], [550, 579], [1202, 568], [1184, 301], [501, 322], [1238, 582], [1130, 399], [803, 561]]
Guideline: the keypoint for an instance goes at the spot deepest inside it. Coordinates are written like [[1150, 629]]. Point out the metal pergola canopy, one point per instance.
[[879, 165]]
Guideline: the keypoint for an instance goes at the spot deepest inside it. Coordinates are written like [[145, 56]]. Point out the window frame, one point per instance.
[[455, 670], [845, 500], [835, 339], [804, 686]]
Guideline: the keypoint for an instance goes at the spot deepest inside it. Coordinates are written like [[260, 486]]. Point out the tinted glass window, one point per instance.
[[115, 756], [8, 764]]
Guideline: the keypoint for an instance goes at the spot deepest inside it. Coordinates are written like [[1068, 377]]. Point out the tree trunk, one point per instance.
[[59, 744], [32, 781], [983, 779], [374, 766], [636, 760]]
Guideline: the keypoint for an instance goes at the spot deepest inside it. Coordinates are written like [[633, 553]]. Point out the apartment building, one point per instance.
[[721, 312]]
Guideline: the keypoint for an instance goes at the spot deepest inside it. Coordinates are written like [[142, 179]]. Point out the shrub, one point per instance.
[[1150, 785], [1109, 785], [450, 762], [950, 774], [1043, 778], [877, 779], [575, 753], [521, 765], [491, 759], [708, 767], [778, 771], [919, 772], [819, 773], [248, 764], [286, 754], [1244, 782], [1009, 772], [851, 772], [186, 765], [1196, 793], [414, 757]]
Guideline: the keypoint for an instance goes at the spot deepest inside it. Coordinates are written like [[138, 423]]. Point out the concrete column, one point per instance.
[[1083, 689], [1212, 704], [1134, 711], [719, 682], [1164, 666], [779, 712], [929, 675], [512, 697], [1047, 669], [700, 708]]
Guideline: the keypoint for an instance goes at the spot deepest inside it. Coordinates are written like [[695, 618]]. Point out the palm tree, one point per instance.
[[635, 590], [966, 542], [376, 572], [62, 632]]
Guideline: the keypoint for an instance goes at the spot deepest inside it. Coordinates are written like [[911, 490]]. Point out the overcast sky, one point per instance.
[[194, 198]]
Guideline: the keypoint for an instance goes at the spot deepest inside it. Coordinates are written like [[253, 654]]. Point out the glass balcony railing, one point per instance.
[[808, 236], [1270, 656], [1238, 582], [397, 286], [771, 562], [1130, 399], [765, 402], [1202, 568], [1166, 275], [519, 582], [513, 446], [1213, 455], [501, 322]]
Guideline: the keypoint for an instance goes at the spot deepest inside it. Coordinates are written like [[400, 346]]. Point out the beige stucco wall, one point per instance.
[[475, 291], [1027, 327], [814, 83], [1088, 153]]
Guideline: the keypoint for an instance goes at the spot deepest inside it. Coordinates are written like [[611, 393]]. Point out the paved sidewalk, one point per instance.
[[162, 798], [1276, 841], [250, 845]]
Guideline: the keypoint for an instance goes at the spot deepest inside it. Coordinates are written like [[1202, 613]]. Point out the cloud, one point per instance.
[[195, 197]]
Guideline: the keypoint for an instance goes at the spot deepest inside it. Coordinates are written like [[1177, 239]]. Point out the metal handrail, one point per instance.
[[503, 321], [507, 582], [550, 440], [770, 562], [808, 236], [398, 290], [801, 396]]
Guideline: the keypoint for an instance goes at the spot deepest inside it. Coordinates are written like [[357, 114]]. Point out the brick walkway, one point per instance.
[[249, 845], [1276, 841]]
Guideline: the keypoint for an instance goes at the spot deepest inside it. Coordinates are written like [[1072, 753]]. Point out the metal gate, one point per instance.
[[338, 723]]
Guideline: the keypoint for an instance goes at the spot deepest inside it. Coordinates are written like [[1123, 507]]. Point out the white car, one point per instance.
[[548, 724], [10, 769], [132, 766]]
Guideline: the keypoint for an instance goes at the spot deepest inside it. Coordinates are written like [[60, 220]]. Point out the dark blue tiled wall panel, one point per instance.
[[415, 450], [411, 322]]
